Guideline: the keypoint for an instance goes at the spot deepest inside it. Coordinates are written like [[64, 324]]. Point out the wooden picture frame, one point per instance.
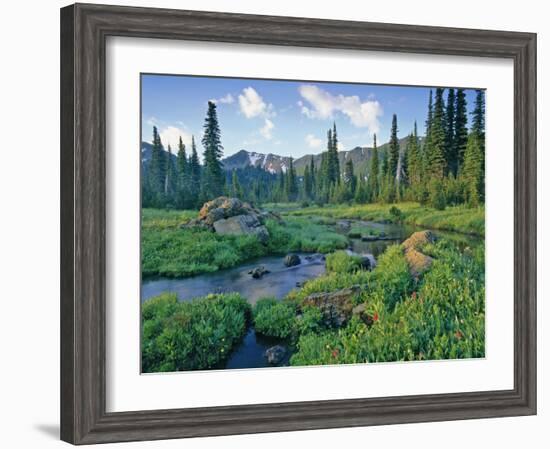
[[84, 29]]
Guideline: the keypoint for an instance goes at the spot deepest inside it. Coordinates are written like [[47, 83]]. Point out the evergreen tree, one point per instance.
[[478, 116], [194, 176], [213, 178], [182, 184], [473, 170], [291, 183], [312, 174], [393, 155], [460, 132], [170, 181], [450, 123], [236, 189], [157, 168], [334, 162], [362, 191], [435, 152], [374, 171], [307, 183], [478, 127], [350, 181]]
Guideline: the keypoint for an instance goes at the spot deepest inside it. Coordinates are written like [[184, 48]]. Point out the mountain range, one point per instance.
[[274, 163]]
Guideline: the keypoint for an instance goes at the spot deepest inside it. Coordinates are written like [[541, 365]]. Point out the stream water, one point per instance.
[[277, 283]]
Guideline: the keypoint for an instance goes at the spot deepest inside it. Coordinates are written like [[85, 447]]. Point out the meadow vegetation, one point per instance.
[[198, 334], [174, 251]]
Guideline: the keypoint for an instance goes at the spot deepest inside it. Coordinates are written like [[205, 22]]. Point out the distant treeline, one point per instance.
[[445, 168]]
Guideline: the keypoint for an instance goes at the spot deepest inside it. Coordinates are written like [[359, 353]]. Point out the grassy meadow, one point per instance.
[[438, 315]]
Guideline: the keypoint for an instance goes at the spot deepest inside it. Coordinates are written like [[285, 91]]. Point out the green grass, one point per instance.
[[192, 335], [440, 317], [453, 218], [171, 251]]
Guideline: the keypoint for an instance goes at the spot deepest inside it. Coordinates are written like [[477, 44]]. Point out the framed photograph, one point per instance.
[[274, 223]]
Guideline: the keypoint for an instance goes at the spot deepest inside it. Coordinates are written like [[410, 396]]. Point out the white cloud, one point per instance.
[[226, 99], [253, 105], [267, 129], [313, 142], [323, 105], [171, 135]]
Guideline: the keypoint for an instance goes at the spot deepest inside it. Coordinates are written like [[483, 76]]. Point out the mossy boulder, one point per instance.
[[418, 262]]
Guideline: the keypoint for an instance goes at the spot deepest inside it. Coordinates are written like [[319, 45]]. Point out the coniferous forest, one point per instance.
[[445, 167], [374, 254]]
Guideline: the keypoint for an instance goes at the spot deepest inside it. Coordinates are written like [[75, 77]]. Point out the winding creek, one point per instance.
[[278, 282]]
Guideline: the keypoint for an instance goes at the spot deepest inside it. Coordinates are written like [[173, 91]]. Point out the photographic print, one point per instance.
[[294, 223]]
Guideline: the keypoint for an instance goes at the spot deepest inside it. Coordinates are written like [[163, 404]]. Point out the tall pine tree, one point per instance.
[[450, 122], [213, 178], [374, 172], [195, 171], [460, 131]]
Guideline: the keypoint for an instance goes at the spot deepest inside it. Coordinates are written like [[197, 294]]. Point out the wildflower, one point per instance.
[[375, 316], [335, 353], [413, 296], [458, 334]]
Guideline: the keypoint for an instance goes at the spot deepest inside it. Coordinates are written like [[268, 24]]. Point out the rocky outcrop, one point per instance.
[[275, 355], [336, 307], [292, 260], [231, 216], [240, 225], [258, 272], [418, 262]]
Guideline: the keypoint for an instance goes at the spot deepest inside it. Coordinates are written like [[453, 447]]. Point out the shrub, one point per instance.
[[437, 198], [310, 321], [396, 214], [274, 318], [342, 262], [191, 335]]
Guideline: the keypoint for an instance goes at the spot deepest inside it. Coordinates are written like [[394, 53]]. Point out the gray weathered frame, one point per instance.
[[84, 29]]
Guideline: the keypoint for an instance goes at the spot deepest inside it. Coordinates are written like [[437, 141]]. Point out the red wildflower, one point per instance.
[[458, 334], [335, 353], [375, 316]]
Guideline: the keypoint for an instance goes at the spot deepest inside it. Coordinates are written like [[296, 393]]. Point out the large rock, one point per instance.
[[231, 216], [418, 239], [336, 307], [240, 225], [275, 355], [258, 272], [292, 260], [418, 262]]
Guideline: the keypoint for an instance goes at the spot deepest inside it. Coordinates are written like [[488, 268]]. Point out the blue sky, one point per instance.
[[289, 118]]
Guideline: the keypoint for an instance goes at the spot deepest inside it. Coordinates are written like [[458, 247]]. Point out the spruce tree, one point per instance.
[[170, 181], [213, 178], [194, 176], [473, 170], [157, 168], [350, 180], [374, 171], [335, 163], [307, 183], [435, 153], [460, 131], [313, 176], [236, 189], [450, 122], [182, 173], [362, 191], [291, 183], [393, 155], [478, 128]]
